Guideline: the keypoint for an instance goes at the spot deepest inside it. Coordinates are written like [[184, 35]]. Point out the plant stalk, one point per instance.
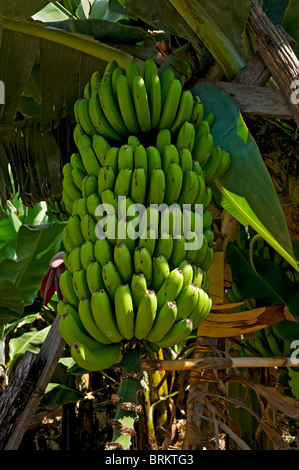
[[127, 398]]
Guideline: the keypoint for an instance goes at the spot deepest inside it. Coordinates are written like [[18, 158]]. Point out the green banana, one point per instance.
[[93, 206], [170, 155], [197, 276], [138, 185], [70, 188], [171, 104], [98, 117], [77, 176], [210, 119], [88, 228], [82, 110], [123, 182], [163, 139], [126, 104], [166, 78], [210, 236], [66, 240], [132, 70], [160, 271], [81, 209], [171, 287], [103, 251], [140, 159], [100, 147], [89, 159], [186, 161], [201, 309], [110, 107], [150, 67], [146, 314], [141, 104], [75, 232], [197, 113], [118, 72], [80, 284], [111, 158], [225, 164], [125, 157], [164, 320], [190, 188], [104, 316], [103, 358], [138, 287], [143, 263], [200, 193], [123, 262], [133, 141], [71, 332], [87, 319], [184, 112], [207, 220], [106, 179], [89, 185], [78, 132], [153, 160], [67, 288], [94, 277], [87, 254], [213, 163], [111, 278], [187, 271], [126, 233], [179, 251], [124, 311], [202, 251], [173, 183], [203, 148], [186, 301], [207, 198], [178, 333], [76, 161], [148, 240], [208, 259], [186, 137], [109, 203], [157, 185], [164, 245], [155, 99]]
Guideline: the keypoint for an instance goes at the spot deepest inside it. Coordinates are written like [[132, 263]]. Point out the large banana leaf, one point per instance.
[[34, 248], [246, 190]]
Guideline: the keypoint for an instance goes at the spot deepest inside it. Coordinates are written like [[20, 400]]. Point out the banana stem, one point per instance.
[[128, 405]]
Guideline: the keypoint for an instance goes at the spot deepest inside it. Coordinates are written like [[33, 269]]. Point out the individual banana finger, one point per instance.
[[143, 263], [171, 287], [87, 319], [146, 314], [104, 316], [138, 287], [177, 334], [160, 271], [94, 277], [124, 311], [67, 288], [111, 278], [103, 358], [123, 262], [164, 320]]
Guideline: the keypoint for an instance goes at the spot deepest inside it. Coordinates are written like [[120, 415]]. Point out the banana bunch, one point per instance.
[[266, 343], [264, 250], [130, 273], [56, 209]]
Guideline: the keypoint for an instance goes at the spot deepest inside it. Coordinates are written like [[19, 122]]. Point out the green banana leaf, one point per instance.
[[30, 341], [246, 191], [60, 394], [35, 247]]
